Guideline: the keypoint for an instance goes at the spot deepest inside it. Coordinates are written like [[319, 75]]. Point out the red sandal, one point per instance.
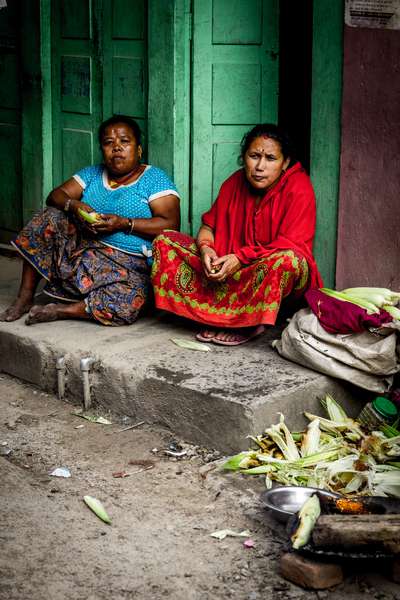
[[243, 338]]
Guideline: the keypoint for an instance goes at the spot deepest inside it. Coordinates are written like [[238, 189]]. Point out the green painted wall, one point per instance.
[[326, 128], [10, 123], [169, 93]]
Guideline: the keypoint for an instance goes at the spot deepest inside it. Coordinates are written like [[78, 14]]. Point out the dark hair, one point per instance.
[[267, 130], [121, 119]]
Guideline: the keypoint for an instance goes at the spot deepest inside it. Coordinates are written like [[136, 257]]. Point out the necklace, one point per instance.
[[121, 180]]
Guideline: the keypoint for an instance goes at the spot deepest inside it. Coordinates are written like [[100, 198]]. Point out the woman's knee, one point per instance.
[[117, 304]]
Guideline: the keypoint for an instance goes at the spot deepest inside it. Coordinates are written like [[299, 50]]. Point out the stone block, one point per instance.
[[309, 574]]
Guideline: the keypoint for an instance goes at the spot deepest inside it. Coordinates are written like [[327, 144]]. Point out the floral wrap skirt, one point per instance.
[[113, 284], [250, 297]]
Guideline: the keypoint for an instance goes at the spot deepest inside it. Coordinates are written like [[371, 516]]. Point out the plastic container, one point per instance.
[[381, 411]]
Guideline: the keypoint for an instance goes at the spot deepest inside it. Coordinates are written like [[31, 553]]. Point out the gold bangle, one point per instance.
[[131, 225]]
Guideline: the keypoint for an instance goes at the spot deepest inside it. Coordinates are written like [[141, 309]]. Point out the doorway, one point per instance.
[[295, 66], [10, 123]]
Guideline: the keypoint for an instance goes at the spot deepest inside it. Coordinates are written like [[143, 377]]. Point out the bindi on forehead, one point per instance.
[[259, 149], [266, 145]]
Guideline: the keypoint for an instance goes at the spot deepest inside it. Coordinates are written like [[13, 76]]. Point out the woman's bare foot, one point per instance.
[[16, 310], [235, 337], [53, 312], [42, 314]]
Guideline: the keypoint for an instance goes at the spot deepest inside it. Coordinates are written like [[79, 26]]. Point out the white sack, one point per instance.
[[365, 359]]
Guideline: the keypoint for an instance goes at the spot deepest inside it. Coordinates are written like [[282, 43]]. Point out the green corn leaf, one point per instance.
[[258, 470], [369, 307], [375, 295], [191, 345], [98, 509], [393, 311], [93, 418], [334, 410], [232, 464], [310, 441]]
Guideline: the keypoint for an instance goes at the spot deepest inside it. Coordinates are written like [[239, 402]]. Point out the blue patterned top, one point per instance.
[[131, 200]]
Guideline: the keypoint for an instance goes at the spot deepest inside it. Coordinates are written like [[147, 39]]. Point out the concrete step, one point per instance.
[[213, 398]]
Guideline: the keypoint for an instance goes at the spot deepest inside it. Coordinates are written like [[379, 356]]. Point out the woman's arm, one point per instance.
[[165, 215], [67, 197], [205, 236], [205, 244]]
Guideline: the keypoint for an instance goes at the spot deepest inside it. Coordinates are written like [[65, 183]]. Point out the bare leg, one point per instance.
[[24, 300], [55, 312]]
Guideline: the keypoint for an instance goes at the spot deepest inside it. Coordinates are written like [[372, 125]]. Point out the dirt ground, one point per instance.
[[158, 545]]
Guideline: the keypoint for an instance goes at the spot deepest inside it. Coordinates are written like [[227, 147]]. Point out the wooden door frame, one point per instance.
[[36, 144], [169, 39], [326, 102]]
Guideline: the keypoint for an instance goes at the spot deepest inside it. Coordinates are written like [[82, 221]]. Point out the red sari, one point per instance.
[[272, 239]]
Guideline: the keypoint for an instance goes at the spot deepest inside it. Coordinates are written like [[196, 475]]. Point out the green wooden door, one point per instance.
[[234, 86], [10, 124], [99, 69]]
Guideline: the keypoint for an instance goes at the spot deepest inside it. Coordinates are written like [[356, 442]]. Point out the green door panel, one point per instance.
[[237, 22], [77, 146], [234, 86], [127, 86], [99, 69], [129, 19], [75, 19], [76, 86], [125, 59], [76, 77], [10, 124]]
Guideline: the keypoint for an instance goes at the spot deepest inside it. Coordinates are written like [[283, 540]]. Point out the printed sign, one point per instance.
[[375, 14]]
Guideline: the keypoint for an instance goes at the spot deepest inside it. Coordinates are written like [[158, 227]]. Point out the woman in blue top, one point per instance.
[[99, 270]]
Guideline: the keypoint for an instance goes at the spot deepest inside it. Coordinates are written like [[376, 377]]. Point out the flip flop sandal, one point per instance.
[[257, 331], [203, 338]]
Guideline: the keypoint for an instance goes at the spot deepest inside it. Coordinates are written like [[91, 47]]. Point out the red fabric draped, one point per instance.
[[283, 220]]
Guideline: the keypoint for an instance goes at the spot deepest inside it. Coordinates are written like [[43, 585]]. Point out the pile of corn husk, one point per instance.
[[334, 454]]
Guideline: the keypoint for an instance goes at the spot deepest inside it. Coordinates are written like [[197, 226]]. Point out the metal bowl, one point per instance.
[[285, 501]]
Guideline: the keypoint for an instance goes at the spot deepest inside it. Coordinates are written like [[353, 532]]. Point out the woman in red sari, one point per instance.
[[254, 247]]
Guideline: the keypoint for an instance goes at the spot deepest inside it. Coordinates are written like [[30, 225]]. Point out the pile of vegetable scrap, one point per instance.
[[334, 454]]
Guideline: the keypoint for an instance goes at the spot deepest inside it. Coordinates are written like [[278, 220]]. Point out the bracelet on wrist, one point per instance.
[[131, 225], [67, 205], [202, 243]]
